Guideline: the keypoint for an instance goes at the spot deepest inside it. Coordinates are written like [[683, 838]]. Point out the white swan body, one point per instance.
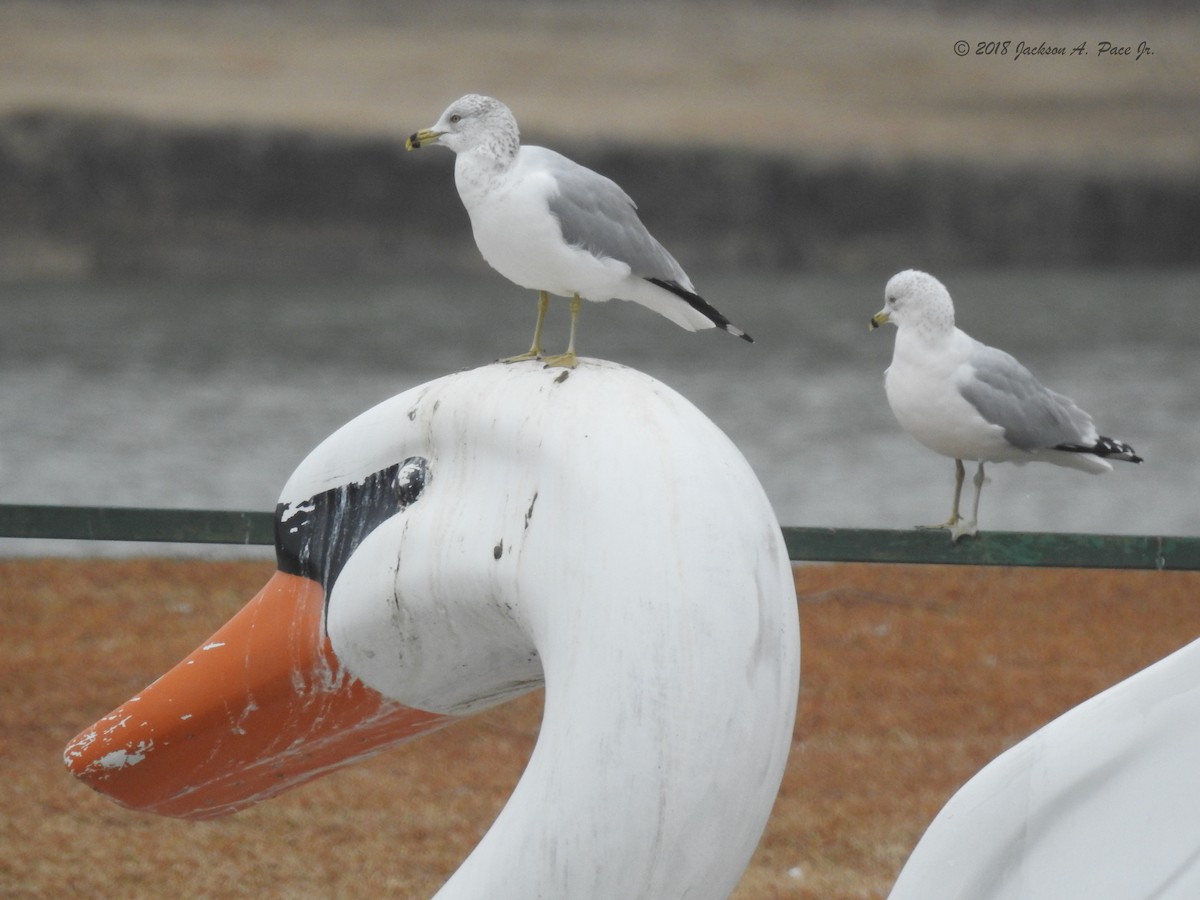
[[589, 527], [1101, 803]]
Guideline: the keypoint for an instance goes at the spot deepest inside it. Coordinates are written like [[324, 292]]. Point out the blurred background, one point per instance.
[[214, 249]]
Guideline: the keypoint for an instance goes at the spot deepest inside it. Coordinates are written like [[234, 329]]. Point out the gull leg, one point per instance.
[[535, 349], [960, 473], [969, 528], [568, 360]]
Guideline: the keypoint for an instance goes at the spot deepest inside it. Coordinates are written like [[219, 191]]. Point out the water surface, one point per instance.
[[208, 395]]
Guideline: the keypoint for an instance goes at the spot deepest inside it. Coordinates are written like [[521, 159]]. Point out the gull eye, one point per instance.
[[455, 119]]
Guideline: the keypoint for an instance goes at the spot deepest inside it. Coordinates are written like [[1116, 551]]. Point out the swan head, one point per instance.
[[465, 542]]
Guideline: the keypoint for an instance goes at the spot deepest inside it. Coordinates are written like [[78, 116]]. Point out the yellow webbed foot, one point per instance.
[[535, 349], [962, 529], [522, 357], [566, 360], [949, 525], [956, 525]]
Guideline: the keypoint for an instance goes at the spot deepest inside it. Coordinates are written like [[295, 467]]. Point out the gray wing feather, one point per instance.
[[1033, 417], [597, 215]]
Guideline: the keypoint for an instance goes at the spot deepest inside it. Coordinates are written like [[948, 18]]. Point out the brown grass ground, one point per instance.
[[914, 677]]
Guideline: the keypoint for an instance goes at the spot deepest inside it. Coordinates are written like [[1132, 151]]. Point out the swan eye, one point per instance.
[[410, 480], [315, 537]]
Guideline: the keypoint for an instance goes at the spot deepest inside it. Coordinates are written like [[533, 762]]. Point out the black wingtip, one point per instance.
[[702, 306], [1109, 448], [1105, 448]]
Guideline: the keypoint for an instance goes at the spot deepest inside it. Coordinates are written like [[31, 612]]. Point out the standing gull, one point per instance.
[[966, 400], [553, 226]]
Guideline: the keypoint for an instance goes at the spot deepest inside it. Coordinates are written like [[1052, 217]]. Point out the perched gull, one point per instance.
[[967, 400], [551, 225]]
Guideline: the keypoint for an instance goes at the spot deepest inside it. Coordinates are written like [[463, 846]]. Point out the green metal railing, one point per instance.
[[116, 523], [992, 548], [995, 548]]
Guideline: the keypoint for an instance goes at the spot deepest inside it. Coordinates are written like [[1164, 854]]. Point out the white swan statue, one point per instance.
[[1099, 804], [458, 545]]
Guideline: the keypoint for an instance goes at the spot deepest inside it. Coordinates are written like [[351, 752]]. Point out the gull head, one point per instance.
[[915, 298], [473, 122]]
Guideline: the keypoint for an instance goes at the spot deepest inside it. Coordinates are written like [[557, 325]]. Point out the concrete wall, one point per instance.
[[109, 196]]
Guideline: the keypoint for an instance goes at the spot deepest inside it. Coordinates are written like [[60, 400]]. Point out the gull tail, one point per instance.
[[1105, 448], [702, 306]]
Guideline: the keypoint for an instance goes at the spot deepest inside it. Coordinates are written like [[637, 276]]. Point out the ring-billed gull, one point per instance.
[[553, 226], [966, 400]]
